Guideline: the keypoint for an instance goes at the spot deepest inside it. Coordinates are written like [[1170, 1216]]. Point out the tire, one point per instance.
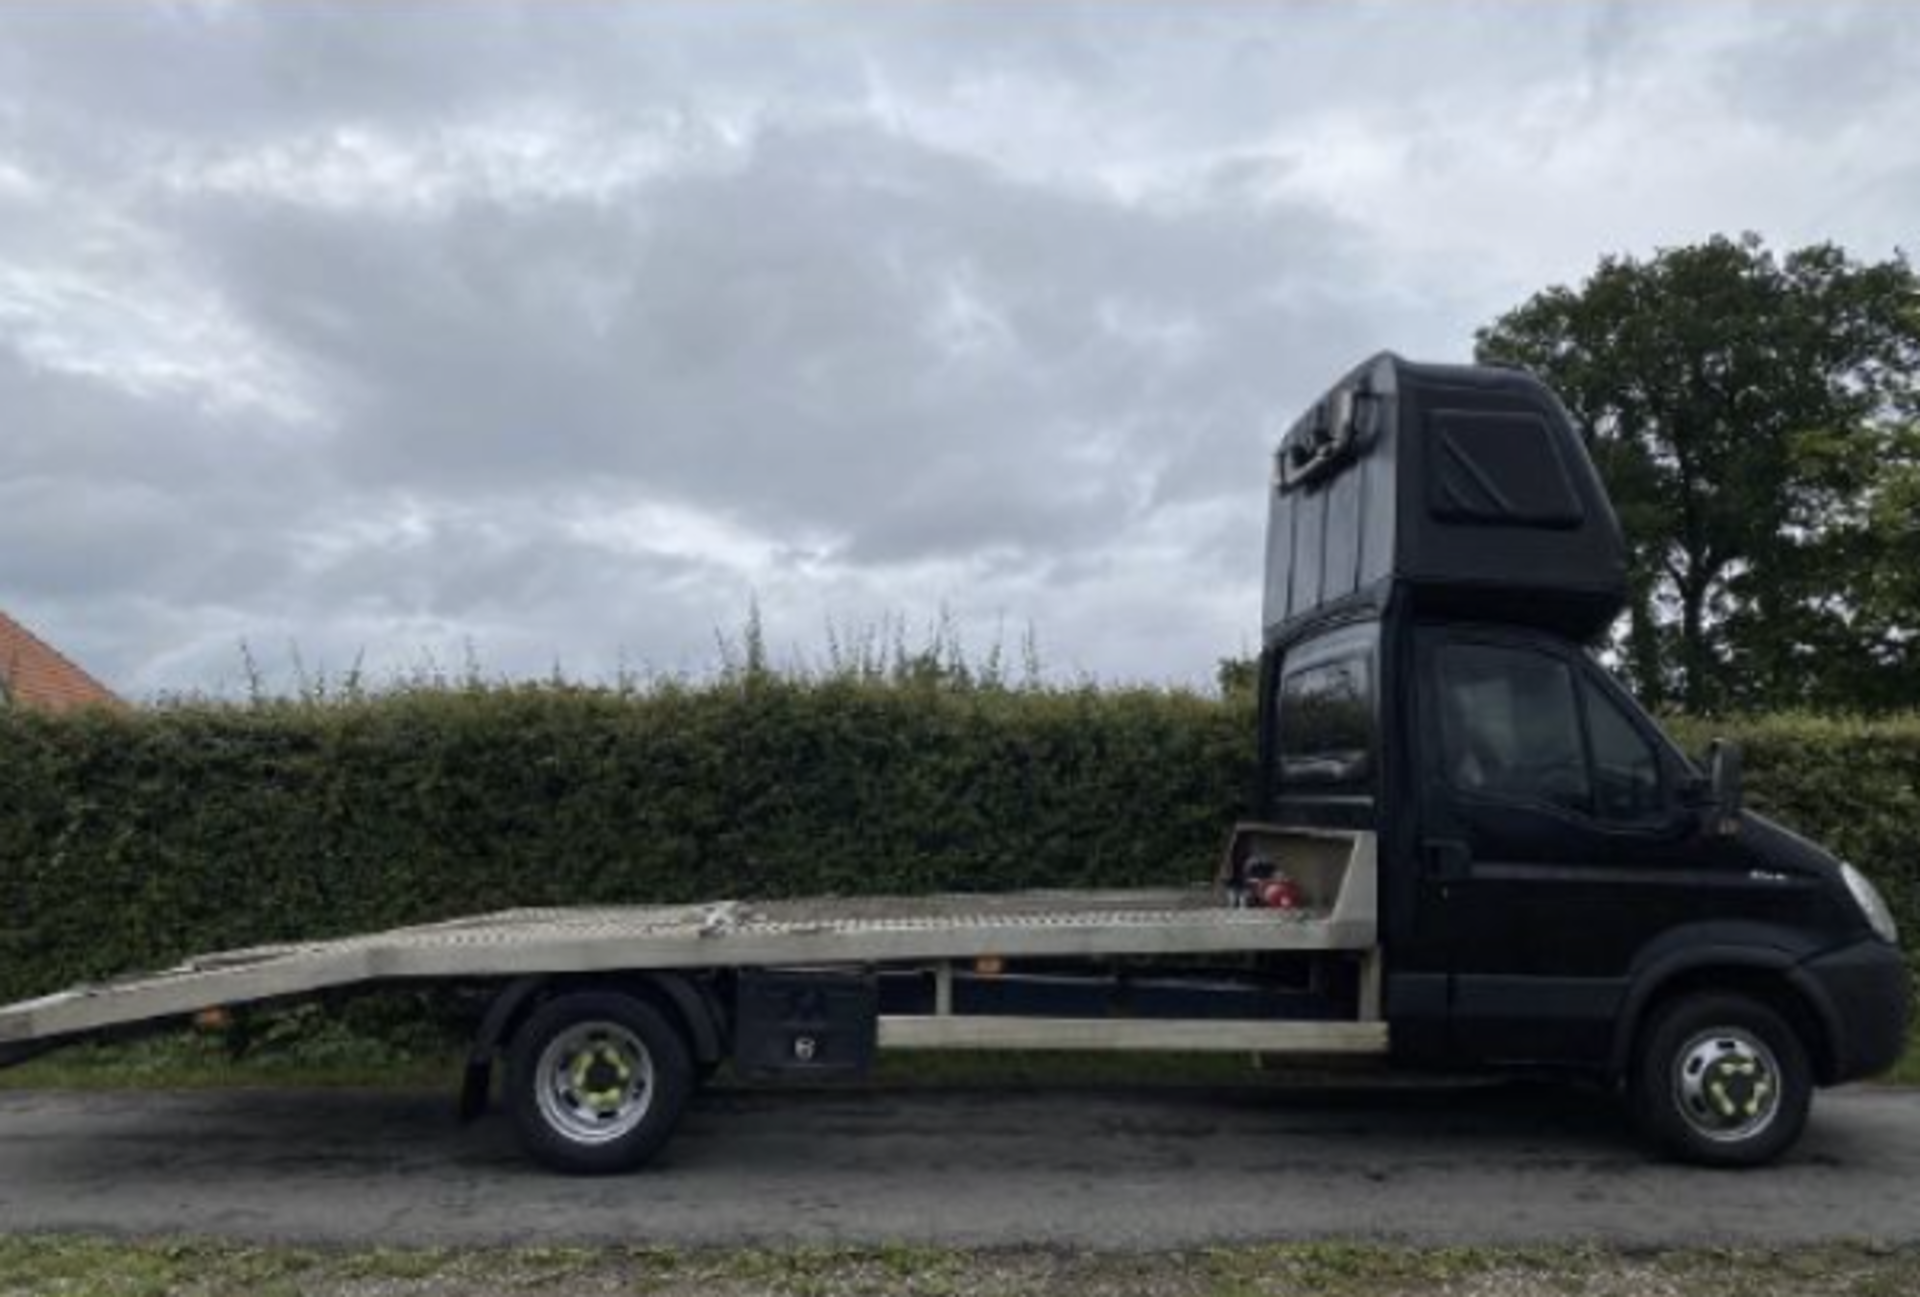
[[1722, 1080], [596, 1083]]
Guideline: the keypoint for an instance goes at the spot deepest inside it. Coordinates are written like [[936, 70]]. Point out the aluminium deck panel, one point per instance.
[[726, 934]]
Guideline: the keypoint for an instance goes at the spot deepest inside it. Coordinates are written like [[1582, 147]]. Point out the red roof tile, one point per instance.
[[33, 674]]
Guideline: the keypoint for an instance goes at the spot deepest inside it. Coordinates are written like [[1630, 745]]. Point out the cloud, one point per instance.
[[567, 333]]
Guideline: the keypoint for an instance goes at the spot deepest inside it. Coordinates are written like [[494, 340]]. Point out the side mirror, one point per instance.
[[1724, 788]]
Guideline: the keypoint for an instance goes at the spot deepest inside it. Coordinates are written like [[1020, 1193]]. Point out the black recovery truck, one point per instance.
[[1473, 851]]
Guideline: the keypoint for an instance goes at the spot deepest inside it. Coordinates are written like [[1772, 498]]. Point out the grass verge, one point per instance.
[[91, 1267], [192, 1061]]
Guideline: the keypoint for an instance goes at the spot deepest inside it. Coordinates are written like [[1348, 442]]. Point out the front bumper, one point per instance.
[[1864, 994]]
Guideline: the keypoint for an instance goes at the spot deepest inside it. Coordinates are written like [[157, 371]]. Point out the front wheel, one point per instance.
[[596, 1082], [1722, 1080]]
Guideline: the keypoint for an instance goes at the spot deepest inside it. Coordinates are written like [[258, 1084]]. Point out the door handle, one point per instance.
[[1447, 858]]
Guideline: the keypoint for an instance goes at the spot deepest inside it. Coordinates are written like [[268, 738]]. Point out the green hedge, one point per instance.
[[128, 840]]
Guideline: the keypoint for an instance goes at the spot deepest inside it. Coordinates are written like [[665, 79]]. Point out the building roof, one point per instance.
[[36, 675]]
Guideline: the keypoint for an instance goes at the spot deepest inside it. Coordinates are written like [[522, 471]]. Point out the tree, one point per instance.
[[1748, 411], [1868, 631]]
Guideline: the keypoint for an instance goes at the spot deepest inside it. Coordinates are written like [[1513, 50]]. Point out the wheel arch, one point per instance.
[[1767, 973], [690, 1002]]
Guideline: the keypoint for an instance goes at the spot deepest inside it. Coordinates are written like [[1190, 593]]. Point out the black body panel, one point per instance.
[[1468, 488], [1863, 993], [814, 1023]]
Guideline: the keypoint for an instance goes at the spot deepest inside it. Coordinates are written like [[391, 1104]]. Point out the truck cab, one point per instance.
[[1561, 887]]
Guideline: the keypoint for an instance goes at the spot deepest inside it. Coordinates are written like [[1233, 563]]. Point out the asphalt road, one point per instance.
[[1140, 1169]]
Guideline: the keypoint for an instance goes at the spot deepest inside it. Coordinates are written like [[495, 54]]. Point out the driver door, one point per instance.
[[1552, 841]]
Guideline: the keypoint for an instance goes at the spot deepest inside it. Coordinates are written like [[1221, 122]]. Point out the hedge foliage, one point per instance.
[[128, 840]]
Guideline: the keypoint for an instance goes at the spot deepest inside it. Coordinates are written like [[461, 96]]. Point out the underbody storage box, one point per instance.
[[1468, 487], [806, 1022]]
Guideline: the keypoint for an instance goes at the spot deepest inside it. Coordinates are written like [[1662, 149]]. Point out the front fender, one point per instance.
[[1732, 946]]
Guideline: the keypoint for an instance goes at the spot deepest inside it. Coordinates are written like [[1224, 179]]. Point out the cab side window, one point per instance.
[[1510, 726], [1326, 723], [1626, 770]]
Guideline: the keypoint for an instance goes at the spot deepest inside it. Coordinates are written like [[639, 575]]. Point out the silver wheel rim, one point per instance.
[[1726, 1084], [595, 1082]]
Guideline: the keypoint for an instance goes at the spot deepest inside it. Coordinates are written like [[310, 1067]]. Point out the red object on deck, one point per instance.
[[1280, 894]]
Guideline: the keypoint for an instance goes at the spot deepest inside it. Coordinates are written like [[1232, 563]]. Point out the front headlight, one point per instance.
[[1872, 905]]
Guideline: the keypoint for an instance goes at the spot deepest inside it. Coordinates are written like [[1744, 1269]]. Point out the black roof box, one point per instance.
[[1466, 487]]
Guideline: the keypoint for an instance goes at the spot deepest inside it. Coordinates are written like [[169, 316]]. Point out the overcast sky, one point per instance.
[[567, 331]]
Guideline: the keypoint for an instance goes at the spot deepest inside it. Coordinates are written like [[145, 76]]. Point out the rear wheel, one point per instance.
[[596, 1083], [1722, 1080]]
